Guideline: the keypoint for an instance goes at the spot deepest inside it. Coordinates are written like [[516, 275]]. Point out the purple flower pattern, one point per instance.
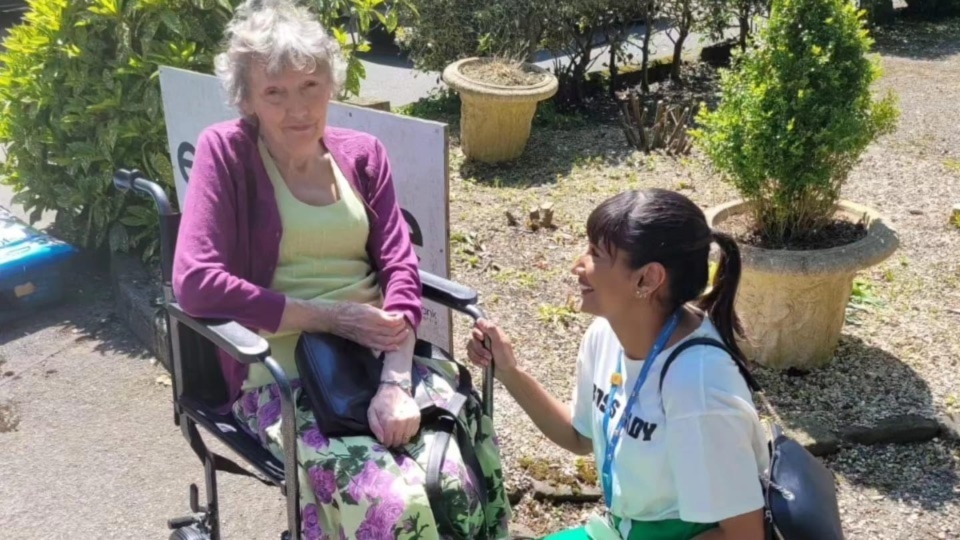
[[249, 403], [314, 439], [267, 416], [371, 483], [412, 473], [373, 488], [462, 474], [324, 484], [310, 523], [380, 520]]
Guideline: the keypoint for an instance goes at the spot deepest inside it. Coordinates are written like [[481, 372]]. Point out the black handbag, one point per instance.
[[340, 379], [800, 492]]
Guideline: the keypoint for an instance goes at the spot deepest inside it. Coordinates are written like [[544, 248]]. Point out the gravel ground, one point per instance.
[[898, 355]]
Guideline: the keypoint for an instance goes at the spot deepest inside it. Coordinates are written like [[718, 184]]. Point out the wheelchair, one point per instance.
[[199, 388]]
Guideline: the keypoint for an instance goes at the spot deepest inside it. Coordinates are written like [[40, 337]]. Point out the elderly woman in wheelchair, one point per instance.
[[291, 228]]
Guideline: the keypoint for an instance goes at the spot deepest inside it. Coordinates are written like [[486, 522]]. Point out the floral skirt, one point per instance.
[[352, 487]]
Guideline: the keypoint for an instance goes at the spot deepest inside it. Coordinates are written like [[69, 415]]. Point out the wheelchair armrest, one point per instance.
[[239, 342], [447, 293]]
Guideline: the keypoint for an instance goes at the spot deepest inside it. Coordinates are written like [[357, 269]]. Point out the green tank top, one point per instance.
[[323, 258]]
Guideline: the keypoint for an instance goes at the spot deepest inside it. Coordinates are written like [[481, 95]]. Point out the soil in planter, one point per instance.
[[839, 232], [501, 73]]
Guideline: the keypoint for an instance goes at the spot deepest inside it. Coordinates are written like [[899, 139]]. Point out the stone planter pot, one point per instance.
[[495, 120], [793, 303]]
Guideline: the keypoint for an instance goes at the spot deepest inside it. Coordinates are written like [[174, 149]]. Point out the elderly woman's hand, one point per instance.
[[370, 326], [394, 416]]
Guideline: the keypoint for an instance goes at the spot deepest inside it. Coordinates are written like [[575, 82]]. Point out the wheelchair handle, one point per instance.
[[476, 314], [134, 180]]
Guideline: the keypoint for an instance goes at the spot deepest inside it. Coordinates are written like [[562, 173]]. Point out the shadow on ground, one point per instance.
[[551, 154], [863, 384], [86, 311], [924, 474], [918, 39]]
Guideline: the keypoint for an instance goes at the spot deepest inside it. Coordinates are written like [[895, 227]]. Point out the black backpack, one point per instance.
[[800, 493]]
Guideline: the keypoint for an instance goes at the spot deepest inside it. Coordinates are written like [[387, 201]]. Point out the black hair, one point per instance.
[[662, 226]]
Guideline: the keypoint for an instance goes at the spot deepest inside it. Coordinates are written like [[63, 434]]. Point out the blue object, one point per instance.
[[606, 475], [31, 267]]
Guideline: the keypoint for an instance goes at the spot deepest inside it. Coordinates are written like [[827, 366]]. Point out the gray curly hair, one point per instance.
[[283, 36]]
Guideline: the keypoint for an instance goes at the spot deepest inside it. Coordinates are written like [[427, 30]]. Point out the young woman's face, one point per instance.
[[608, 286], [291, 106]]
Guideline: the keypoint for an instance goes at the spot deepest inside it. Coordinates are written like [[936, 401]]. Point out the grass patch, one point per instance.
[[468, 247], [586, 471], [549, 117], [511, 276], [441, 105], [862, 300], [558, 315], [547, 471]]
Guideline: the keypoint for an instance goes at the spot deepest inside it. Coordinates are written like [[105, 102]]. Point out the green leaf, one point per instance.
[[119, 240], [171, 21]]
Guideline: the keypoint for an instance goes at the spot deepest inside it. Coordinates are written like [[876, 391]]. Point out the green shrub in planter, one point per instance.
[[80, 97], [796, 114]]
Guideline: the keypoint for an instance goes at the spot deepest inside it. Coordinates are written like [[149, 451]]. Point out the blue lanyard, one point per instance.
[[607, 469]]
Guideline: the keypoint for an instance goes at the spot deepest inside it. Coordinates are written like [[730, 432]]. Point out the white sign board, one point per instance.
[[417, 150]]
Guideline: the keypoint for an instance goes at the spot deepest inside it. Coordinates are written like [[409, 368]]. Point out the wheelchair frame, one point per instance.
[[198, 387]]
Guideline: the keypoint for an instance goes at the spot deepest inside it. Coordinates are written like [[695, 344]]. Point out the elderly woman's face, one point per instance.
[[291, 106]]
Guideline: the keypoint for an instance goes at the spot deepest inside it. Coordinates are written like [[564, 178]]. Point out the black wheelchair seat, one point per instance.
[[225, 428]]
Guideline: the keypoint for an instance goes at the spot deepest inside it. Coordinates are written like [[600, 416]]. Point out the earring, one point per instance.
[[641, 295]]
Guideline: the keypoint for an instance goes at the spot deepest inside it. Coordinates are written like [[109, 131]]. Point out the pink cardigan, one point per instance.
[[229, 238]]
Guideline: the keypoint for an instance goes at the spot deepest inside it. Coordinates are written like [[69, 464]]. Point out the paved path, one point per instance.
[[95, 454]]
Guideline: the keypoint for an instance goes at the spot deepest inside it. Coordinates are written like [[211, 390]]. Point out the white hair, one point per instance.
[[280, 34]]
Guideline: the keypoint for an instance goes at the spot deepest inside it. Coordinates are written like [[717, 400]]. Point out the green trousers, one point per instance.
[[668, 529]]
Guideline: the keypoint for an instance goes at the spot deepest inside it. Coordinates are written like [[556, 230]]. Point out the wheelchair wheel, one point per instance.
[[189, 533]]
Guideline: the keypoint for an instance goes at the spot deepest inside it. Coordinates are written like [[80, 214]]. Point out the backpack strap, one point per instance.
[[446, 425], [741, 365]]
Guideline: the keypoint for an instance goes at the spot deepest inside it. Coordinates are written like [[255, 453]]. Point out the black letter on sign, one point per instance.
[[416, 235], [183, 161]]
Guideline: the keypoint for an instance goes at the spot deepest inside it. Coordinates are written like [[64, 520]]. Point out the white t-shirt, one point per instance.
[[696, 454]]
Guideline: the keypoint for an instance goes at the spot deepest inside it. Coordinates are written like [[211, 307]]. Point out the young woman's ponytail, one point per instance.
[[658, 225], [719, 302]]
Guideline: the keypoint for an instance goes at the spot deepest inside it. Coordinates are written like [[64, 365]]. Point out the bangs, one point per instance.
[[608, 225], [292, 56]]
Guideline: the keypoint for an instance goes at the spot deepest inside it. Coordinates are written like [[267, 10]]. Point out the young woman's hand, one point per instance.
[[370, 326], [500, 350], [394, 416]]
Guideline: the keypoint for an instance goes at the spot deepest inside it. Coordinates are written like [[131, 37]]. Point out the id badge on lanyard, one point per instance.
[[616, 380]]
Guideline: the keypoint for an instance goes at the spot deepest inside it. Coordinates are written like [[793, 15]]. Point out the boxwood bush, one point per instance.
[[795, 115]]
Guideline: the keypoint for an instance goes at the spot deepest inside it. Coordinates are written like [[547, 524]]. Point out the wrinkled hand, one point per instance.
[[500, 350], [371, 327], [394, 416]]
